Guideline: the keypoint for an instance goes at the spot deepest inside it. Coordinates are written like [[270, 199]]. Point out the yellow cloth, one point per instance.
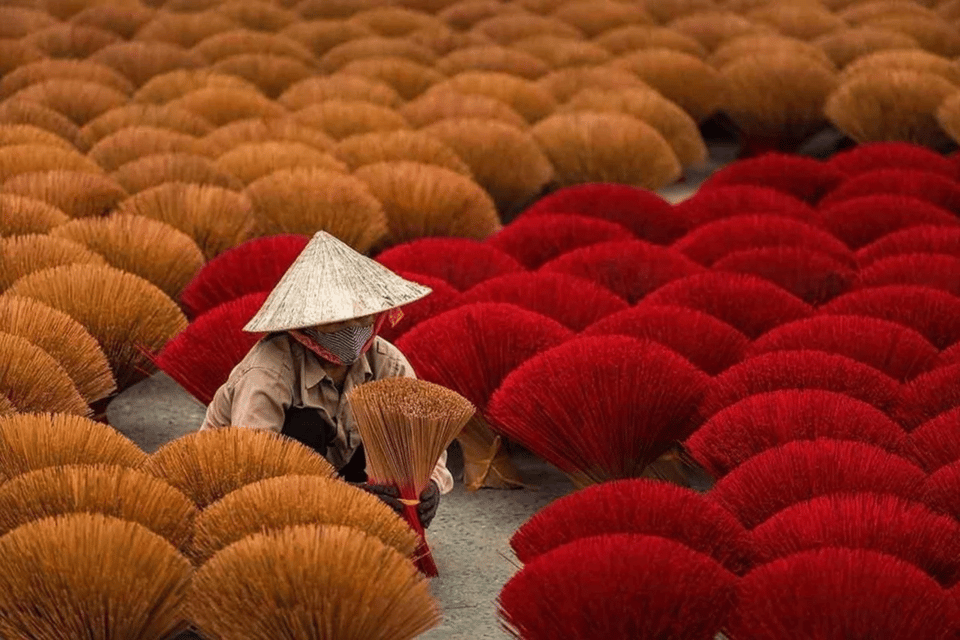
[[279, 373]]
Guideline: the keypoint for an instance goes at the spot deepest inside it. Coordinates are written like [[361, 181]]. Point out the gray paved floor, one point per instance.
[[469, 537]]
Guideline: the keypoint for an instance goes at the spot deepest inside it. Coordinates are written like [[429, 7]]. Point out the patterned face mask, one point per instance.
[[347, 343]]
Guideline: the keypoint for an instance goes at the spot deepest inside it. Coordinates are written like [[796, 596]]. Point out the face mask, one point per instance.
[[347, 343]]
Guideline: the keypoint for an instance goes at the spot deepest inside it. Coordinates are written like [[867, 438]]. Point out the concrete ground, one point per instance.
[[470, 536]]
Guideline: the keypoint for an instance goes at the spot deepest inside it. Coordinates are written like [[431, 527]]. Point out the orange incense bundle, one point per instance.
[[405, 425]]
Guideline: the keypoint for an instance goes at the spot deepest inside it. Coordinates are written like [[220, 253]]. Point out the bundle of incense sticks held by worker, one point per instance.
[[406, 424]]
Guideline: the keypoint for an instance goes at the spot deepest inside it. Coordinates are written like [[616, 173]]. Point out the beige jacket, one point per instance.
[[279, 373]]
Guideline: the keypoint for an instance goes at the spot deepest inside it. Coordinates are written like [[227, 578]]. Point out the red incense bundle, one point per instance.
[[931, 187], [405, 425], [250, 267], [926, 238], [801, 177], [643, 212], [874, 156], [865, 219]]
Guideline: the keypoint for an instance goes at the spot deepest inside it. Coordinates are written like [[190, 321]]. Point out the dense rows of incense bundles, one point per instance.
[[796, 326], [190, 125], [152, 153]]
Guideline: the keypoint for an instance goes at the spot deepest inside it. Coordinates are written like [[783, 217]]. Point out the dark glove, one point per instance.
[[429, 501], [389, 494]]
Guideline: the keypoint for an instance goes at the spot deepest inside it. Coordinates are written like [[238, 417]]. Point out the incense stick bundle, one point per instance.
[[19, 111], [239, 132], [78, 100], [251, 161], [156, 169], [110, 490], [132, 143], [207, 465], [525, 97], [405, 425], [767, 43], [271, 73], [292, 500], [826, 592], [141, 61], [341, 119], [156, 251], [434, 106], [79, 194], [843, 46], [202, 356], [647, 215], [492, 57], [924, 239], [167, 87], [65, 339], [339, 86], [878, 156], [22, 255], [34, 381], [185, 29], [90, 576], [397, 146], [122, 18], [480, 142], [217, 219], [311, 582], [228, 43], [31, 441], [459, 261], [19, 21], [125, 313], [408, 78], [375, 47], [423, 200], [68, 40], [566, 82], [151, 115], [24, 216], [400, 21], [625, 40]]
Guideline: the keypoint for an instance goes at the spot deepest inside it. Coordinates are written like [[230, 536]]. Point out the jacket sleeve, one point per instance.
[[257, 398], [441, 475]]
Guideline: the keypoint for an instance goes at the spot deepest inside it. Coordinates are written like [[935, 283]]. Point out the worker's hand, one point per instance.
[[429, 501], [389, 494]]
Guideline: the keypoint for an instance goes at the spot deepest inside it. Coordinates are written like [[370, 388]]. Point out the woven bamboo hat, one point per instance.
[[330, 282]]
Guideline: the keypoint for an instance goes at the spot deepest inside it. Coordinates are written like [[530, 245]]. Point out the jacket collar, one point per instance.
[[314, 373]]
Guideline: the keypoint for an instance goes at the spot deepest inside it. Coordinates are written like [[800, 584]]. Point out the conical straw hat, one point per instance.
[[330, 282]]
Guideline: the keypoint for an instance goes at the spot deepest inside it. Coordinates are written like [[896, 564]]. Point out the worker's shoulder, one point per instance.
[[387, 350], [272, 353], [387, 357]]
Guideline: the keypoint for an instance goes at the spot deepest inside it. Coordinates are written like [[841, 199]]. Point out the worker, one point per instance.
[[321, 323]]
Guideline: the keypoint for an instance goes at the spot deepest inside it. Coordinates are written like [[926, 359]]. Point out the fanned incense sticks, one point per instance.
[[90, 576], [405, 425], [111, 490], [294, 500], [323, 582]]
